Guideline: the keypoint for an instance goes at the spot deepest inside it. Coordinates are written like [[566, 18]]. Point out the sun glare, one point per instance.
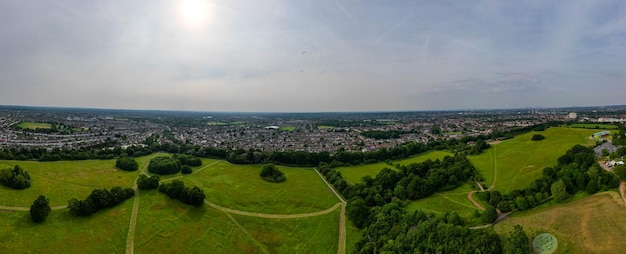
[[194, 13]]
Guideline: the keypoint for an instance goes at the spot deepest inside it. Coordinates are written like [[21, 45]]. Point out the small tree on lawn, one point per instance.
[[40, 209]]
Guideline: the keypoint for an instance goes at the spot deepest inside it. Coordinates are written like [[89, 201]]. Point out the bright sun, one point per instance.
[[194, 13]]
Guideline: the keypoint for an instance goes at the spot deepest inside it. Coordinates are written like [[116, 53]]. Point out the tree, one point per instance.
[[186, 169], [621, 172], [559, 191], [358, 212], [522, 203], [272, 174], [126, 163], [490, 215], [537, 137], [164, 165], [16, 178], [605, 152], [148, 183], [517, 241], [40, 209]]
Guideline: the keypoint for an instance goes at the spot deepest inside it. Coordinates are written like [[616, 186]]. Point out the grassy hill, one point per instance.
[[515, 163], [167, 225], [595, 224]]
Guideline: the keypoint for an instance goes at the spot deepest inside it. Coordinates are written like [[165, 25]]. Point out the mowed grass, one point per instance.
[[354, 174], [63, 180], [317, 234], [166, 225], [448, 201], [102, 232], [595, 224], [240, 187], [519, 161], [34, 125], [288, 128]]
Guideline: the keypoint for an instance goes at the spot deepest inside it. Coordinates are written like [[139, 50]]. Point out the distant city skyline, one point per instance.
[[312, 56]]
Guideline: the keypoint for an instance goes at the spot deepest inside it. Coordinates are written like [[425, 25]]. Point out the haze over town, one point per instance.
[[312, 55]]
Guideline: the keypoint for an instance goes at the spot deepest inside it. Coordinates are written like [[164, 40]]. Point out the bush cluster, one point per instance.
[[16, 178], [98, 200], [272, 174], [126, 163], [188, 160], [177, 190], [164, 165], [148, 183]]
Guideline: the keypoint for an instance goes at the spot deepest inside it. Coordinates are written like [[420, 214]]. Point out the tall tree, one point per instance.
[[559, 191], [40, 209], [517, 242]]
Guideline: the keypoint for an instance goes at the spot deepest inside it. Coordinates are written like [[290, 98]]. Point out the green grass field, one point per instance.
[[448, 201], [103, 232], [34, 125], [354, 174], [519, 161], [323, 127], [167, 225], [164, 224], [288, 128], [240, 187], [592, 126], [63, 180], [595, 224], [305, 235]]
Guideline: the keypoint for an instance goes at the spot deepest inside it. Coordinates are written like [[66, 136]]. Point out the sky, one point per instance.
[[311, 55]]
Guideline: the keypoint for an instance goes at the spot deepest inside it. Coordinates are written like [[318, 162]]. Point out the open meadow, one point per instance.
[[354, 174], [515, 163], [63, 180], [298, 215], [594, 224], [448, 201], [34, 125], [103, 232], [240, 187]]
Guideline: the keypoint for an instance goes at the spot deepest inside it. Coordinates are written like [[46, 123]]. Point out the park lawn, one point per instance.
[[323, 127], [288, 128], [354, 174], [63, 180], [598, 126], [519, 161], [102, 232], [240, 187], [446, 202], [317, 234], [34, 125], [595, 224], [166, 225]]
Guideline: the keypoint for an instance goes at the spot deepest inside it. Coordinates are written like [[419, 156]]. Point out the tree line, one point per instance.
[[98, 200], [176, 189]]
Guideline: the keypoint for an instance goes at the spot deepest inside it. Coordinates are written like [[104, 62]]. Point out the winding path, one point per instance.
[[341, 246], [270, 215]]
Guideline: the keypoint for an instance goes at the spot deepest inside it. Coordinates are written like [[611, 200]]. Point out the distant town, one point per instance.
[[69, 128]]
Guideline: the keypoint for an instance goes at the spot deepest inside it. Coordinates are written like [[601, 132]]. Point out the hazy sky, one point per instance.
[[329, 55]]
